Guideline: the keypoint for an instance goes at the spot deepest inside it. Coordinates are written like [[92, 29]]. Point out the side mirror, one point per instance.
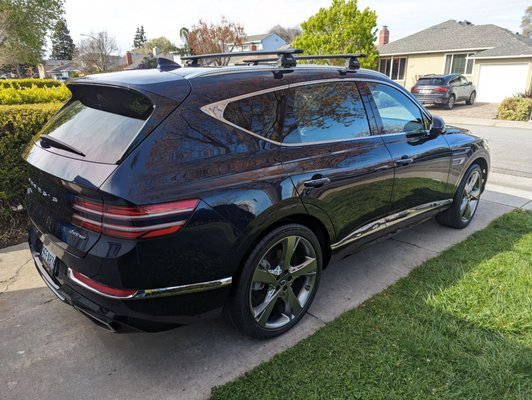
[[437, 126]]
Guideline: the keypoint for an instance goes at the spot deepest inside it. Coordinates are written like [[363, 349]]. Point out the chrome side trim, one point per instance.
[[159, 292], [389, 221], [216, 109]]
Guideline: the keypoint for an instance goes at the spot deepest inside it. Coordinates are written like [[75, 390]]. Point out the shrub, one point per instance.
[[30, 93], [29, 82], [515, 109], [17, 126]]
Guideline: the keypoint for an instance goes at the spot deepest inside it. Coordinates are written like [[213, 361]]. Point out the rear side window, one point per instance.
[[430, 82], [325, 112], [259, 114], [100, 122]]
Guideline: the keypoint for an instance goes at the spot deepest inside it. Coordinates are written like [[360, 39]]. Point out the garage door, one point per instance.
[[497, 81]]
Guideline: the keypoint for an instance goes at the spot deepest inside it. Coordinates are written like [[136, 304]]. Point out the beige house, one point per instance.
[[497, 61]]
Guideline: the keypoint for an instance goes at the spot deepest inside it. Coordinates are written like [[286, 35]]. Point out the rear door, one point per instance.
[[421, 159], [74, 154], [335, 162]]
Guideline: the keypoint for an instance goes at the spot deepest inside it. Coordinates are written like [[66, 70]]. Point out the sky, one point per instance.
[[165, 17]]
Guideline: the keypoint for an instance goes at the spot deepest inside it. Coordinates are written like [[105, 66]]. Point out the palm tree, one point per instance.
[[184, 34]]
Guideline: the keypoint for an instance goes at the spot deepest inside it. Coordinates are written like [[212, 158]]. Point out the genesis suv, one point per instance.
[[161, 197]]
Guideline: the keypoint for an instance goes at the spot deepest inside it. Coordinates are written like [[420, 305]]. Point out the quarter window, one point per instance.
[[325, 112], [459, 63], [259, 114], [398, 113]]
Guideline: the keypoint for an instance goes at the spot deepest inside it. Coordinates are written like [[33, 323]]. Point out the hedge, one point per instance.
[[18, 124], [30, 93], [515, 109], [29, 82]]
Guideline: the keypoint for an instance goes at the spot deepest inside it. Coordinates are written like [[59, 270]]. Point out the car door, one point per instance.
[[336, 164], [466, 87], [421, 159], [457, 89]]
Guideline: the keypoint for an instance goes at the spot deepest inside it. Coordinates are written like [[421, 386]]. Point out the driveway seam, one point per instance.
[[415, 245]]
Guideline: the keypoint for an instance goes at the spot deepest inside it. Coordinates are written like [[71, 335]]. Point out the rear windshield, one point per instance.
[[430, 81], [100, 122]]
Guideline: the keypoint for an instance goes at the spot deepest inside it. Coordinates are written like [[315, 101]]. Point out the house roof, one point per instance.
[[67, 66], [257, 38], [452, 35]]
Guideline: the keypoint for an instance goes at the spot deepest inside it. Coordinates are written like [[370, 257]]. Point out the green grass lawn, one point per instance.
[[458, 327]]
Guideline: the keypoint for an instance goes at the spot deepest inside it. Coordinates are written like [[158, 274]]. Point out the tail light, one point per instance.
[[414, 89], [132, 222], [100, 288], [441, 89]]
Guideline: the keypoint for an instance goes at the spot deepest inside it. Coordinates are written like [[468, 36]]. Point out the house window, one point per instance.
[[459, 63], [393, 67]]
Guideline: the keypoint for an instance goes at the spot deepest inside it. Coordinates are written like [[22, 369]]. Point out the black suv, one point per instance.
[[160, 197], [444, 90]]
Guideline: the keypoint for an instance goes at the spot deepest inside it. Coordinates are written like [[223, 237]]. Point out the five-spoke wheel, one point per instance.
[[278, 282]]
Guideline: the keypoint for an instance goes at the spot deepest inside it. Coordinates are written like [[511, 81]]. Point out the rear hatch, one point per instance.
[[76, 152], [430, 86]]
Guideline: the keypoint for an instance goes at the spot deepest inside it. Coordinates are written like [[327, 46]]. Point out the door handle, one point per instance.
[[404, 160], [317, 181]]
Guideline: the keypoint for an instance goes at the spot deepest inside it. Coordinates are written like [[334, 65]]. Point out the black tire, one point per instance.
[[247, 289], [450, 103], [454, 216], [471, 99]]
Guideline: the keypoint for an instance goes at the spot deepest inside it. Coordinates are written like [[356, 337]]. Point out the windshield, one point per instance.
[[430, 81]]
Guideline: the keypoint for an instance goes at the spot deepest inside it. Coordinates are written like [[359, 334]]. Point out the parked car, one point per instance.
[[444, 90], [159, 198]]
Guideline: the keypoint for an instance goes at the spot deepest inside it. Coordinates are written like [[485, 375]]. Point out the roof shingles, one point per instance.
[[491, 40]]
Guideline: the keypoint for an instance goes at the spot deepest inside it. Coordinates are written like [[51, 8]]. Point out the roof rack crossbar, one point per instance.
[[351, 60], [285, 58], [256, 61]]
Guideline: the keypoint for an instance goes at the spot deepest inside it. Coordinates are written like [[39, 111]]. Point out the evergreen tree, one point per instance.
[[62, 44], [140, 38]]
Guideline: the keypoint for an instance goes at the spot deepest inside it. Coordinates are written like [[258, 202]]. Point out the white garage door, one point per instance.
[[498, 81]]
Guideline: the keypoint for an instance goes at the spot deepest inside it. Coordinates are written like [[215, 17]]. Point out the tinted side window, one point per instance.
[[398, 113], [463, 81], [259, 114], [325, 112]]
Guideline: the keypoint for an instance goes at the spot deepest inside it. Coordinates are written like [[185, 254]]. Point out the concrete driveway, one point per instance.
[[48, 350]]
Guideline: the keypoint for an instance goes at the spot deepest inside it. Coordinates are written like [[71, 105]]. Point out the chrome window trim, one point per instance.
[[158, 292], [216, 110], [389, 221]]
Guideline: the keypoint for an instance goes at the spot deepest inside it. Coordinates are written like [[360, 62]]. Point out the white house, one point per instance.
[[265, 42]]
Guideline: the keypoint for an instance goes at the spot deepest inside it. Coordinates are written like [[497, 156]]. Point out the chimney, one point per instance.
[[384, 36], [129, 58]]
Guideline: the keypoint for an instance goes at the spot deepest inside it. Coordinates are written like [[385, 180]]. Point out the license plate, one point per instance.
[[48, 259], [425, 91]]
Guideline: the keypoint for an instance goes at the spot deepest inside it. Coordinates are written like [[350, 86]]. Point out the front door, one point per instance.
[[421, 159], [336, 164]]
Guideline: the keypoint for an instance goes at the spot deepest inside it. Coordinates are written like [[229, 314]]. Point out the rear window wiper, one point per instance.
[[49, 141]]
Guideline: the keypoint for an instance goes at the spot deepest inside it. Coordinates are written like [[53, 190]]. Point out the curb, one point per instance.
[[488, 122]]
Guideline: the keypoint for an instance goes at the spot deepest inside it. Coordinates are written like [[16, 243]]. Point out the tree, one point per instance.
[[140, 38], [341, 28], [286, 33], [95, 52], [526, 23], [162, 43], [62, 44], [23, 28], [204, 38]]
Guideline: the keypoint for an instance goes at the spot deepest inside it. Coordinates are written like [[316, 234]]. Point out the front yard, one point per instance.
[[459, 327]]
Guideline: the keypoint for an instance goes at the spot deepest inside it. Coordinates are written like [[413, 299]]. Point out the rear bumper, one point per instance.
[[151, 310], [433, 99]]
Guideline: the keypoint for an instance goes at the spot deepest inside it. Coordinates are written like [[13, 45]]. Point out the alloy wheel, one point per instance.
[[470, 196], [283, 282]]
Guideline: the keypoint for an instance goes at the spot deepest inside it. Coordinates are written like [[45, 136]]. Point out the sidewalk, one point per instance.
[[48, 350]]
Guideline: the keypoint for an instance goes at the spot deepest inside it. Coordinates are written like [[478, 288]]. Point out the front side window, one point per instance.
[[459, 63], [325, 112], [393, 67], [398, 113], [259, 114]]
